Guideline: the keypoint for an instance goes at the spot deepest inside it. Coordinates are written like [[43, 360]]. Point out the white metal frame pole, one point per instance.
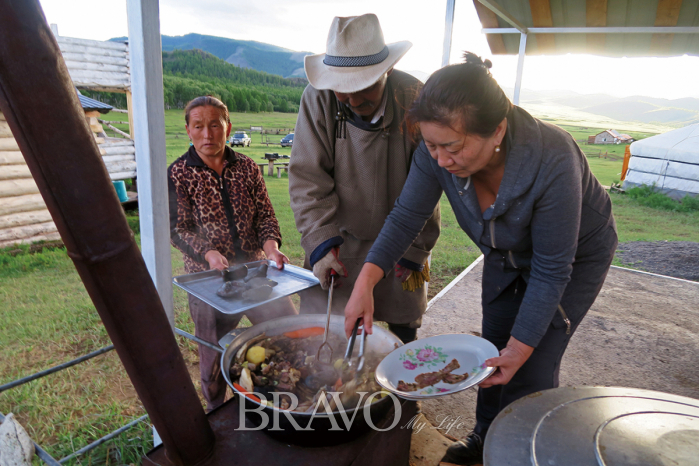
[[145, 51], [448, 28], [520, 66]]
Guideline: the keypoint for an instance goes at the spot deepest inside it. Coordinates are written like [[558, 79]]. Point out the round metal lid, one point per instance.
[[605, 426]]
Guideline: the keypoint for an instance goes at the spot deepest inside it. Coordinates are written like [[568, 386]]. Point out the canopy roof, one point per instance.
[[621, 27]]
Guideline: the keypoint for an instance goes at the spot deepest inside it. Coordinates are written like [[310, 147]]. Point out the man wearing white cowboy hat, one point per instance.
[[349, 161]]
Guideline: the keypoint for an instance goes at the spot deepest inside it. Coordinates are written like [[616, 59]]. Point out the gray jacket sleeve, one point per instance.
[[420, 249], [555, 225], [314, 200], [415, 205]]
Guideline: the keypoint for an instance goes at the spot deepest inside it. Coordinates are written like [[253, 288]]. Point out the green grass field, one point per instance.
[[605, 159], [48, 317], [581, 133], [177, 142], [607, 171]]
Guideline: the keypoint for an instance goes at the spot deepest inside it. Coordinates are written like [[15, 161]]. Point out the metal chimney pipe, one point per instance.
[[38, 98]]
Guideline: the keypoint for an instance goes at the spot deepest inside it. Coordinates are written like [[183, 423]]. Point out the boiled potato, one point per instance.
[[256, 355]]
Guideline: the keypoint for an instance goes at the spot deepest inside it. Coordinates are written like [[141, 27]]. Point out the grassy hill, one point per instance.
[[642, 109], [582, 107], [243, 53], [187, 74], [637, 110], [192, 73]]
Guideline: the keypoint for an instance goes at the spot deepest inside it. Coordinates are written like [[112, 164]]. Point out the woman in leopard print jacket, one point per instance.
[[220, 215]]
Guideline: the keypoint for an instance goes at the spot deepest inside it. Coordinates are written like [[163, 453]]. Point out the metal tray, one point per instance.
[[204, 285]]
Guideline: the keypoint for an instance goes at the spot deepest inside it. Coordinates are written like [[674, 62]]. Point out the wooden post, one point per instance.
[[147, 108], [116, 130], [625, 164], [270, 172], [129, 108]]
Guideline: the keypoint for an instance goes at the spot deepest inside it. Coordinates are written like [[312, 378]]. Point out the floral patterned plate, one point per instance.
[[433, 354]]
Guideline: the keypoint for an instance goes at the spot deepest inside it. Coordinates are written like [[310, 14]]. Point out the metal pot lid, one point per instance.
[[605, 426]]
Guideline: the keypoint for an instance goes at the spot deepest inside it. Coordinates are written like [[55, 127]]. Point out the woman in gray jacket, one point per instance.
[[523, 192]]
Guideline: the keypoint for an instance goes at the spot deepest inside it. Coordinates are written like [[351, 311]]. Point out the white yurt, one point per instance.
[[668, 161]]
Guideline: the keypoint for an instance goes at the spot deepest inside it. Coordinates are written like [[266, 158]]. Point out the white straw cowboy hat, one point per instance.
[[356, 55]]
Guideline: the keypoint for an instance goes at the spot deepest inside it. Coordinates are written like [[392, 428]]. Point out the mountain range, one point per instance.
[[243, 53], [642, 109], [608, 109]]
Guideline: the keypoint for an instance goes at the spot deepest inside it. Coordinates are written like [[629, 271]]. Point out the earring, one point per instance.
[[497, 148]]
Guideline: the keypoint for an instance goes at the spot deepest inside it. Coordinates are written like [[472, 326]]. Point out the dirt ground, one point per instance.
[[679, 259], [642, 332]]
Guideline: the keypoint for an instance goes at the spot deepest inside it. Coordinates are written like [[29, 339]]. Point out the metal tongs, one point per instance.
[[325, 343], [350, 348]]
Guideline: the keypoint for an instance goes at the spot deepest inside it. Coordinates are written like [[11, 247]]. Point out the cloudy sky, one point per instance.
[[303, 25]]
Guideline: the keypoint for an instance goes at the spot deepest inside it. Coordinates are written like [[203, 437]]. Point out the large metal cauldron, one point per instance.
[[321, 434]]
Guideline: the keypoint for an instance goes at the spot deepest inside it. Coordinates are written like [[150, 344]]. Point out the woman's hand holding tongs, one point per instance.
[[361, 303]]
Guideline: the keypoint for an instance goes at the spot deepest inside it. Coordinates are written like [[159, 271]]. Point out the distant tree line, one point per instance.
[[111, 98], [190, 73]]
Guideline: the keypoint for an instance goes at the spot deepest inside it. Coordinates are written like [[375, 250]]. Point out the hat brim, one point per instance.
[[352, 78]]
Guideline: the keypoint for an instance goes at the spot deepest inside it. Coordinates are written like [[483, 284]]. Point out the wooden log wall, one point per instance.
[[119, 156], [103, 66], [23, 214], [97, 65]]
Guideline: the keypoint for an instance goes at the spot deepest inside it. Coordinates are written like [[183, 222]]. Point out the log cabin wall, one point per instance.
[[119, 156], [23, 214], [95, 65], [103, 66]]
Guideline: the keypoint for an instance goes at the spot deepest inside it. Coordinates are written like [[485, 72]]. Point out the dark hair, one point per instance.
[[464, 97], [203, 101]]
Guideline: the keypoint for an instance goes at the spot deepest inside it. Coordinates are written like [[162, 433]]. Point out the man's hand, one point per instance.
[[272, 252], [402, 273], [511, 358], [216, 260], [322, 268]]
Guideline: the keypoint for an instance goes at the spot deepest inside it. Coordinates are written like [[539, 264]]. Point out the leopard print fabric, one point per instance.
[[198, 220]]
